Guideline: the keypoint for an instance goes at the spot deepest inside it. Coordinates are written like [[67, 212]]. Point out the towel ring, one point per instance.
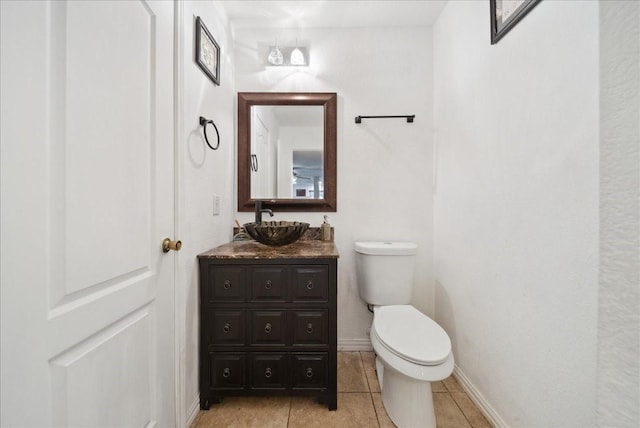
[[204, 122]]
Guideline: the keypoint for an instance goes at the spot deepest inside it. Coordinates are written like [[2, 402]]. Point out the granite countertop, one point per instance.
[[302, 249]]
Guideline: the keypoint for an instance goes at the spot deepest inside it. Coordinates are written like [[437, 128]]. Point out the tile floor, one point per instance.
[[359, 404]]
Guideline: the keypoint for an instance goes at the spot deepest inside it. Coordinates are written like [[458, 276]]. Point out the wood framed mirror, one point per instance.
[[287, 150]]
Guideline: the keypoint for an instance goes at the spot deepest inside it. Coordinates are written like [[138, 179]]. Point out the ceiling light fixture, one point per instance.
[[288, 55]]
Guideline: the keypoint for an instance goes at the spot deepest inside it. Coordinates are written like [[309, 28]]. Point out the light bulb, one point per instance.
[[297, 58], [275, 56]]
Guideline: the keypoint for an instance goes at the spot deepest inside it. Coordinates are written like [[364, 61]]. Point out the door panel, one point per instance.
[[261, 181], [88, 319], [107, 138], [86, 373]]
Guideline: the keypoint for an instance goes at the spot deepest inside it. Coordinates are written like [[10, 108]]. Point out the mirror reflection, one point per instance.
[[287, 150], [287, 153]]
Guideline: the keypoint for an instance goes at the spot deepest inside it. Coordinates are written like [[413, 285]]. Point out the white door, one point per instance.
[[262, 183], [87, 196]]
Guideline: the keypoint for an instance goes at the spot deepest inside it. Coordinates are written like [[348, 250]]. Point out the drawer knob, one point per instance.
[[309, 373], [309, 328], [267, 328], [267, 284], [226, 372], [227, 284], [226, 328], [267, 373], [310, 285]]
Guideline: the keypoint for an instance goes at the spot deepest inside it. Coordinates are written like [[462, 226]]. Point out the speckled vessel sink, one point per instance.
[[276, 233]]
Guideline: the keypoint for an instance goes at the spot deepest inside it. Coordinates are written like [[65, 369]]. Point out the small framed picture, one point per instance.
[[207, 52], [505, 14]]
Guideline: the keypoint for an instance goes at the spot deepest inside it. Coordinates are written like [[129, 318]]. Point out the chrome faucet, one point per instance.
[[260, 210]]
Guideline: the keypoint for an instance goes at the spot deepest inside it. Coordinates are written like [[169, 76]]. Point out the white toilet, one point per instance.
[[411, 349]]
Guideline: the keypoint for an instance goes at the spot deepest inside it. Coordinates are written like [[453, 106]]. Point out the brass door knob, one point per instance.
[[168, 244]]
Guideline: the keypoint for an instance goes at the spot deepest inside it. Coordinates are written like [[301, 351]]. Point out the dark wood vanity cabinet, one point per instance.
[[268, 327]]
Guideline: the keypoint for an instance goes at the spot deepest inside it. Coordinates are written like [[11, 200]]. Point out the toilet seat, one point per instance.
[[411, 335]]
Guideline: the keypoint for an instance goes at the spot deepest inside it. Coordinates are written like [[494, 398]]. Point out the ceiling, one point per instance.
[[332, 13]]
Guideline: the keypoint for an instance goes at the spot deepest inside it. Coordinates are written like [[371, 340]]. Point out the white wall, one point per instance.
[[202, 173], [296, 138], [516, 208], [384, 166], [619, 292]]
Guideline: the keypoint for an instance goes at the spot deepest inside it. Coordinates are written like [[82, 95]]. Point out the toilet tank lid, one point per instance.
[[386, 248]]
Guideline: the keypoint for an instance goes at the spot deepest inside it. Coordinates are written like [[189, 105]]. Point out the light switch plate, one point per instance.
[[216, 204]]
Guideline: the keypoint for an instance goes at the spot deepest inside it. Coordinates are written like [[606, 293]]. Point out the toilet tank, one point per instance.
[[385, 271]]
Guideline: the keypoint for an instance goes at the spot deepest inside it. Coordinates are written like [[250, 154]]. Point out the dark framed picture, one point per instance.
[[207, 52], [505, 14]]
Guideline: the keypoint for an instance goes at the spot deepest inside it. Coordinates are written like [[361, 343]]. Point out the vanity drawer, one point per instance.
[[310, 327], [268, 284], [310, 284], [227, 284], [268, 371], [268, 327], [227, 327], [309, 371], [228, 371]]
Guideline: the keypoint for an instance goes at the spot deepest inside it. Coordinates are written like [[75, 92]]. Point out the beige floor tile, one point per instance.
[[369, 362], [354, 410], [356, 406], [452, 384], [469, 409], [383, 417], [351, 377], [258, 412], [448, 415], [438, 387]]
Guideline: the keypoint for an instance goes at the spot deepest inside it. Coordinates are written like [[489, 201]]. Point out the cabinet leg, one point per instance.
[[332, 401], [204, 403]]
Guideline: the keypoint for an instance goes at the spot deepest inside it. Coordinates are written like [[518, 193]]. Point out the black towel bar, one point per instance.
[[408, 117]]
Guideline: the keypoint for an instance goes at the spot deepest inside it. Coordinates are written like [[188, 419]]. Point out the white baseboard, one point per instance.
[[482, 403], [192, 413], [354, 345]]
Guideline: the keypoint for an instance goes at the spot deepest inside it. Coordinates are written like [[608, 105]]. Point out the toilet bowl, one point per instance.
[[412, 342], [411, 349], [411, 352]]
